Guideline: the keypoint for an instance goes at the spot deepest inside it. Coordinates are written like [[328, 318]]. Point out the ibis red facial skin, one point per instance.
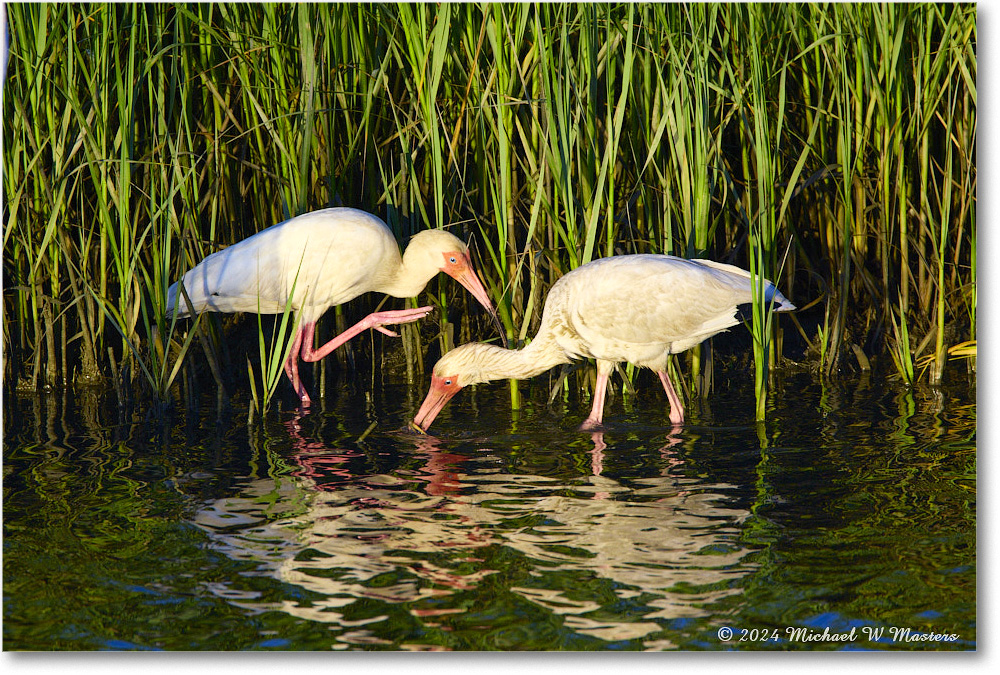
[[634, 308], [460, 268], [441, 391], [318, 260]]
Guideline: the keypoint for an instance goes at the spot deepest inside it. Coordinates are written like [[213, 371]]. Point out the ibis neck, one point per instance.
[[406, 280], [542, 354]]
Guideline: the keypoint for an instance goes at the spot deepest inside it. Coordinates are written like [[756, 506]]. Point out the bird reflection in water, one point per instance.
[[327, 468], [670, 457], [424, 534]]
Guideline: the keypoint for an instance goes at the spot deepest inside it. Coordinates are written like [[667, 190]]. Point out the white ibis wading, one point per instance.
[[319, 260], [634, 308]]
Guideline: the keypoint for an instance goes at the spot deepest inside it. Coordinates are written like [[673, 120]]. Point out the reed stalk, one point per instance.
[[140, 138]]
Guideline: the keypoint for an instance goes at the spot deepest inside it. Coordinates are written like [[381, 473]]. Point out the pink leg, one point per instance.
[[303, 340], [676, 407], [597, 411], [292, 364], [375, 320]]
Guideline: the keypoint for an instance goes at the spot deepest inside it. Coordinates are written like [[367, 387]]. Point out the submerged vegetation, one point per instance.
[[829, 147]]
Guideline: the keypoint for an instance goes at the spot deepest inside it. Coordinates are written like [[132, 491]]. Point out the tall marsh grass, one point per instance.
[[140, 138]]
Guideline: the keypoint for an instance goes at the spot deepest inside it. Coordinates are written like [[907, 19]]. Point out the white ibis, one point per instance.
[[319, 260], [634, 308]]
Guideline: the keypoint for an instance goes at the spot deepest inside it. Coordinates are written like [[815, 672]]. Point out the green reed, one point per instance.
[[140, 138], [271, 357]]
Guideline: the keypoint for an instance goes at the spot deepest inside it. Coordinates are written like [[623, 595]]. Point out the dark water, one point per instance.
[[849, 514]]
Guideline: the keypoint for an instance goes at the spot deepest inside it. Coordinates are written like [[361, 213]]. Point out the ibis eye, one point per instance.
[[452, 260], [448, 382]]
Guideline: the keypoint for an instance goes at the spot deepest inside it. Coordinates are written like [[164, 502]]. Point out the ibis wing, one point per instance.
[[654, 299], [320, 259]]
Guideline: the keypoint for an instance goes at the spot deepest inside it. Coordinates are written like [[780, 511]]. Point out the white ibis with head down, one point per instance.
[[319, 260], [634, 308]]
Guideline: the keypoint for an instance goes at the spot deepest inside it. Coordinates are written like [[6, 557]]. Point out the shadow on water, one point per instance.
[[849, 514]]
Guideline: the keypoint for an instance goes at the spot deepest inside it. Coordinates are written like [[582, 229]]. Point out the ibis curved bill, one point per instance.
[[318, 260], [632, 308]]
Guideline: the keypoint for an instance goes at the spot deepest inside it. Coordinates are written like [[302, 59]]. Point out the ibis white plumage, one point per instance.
[[318, 260], [632, 308]]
